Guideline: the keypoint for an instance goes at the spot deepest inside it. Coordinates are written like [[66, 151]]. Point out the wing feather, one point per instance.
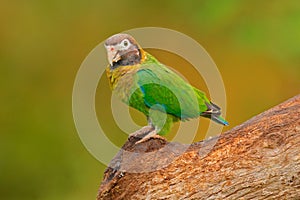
[[164, 87]]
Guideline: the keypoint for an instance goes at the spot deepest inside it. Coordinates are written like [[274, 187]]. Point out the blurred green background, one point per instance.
[[255, 44]]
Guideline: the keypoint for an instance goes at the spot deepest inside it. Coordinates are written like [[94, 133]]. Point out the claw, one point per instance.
[[142, 132], [152, 134]]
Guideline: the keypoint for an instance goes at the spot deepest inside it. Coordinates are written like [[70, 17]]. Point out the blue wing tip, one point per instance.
[[220, 120], [225, 123]]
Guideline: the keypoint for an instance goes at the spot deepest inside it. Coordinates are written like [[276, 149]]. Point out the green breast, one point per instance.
[[127, 89]]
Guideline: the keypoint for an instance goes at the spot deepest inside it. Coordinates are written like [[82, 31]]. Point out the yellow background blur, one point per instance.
[[255, 44]]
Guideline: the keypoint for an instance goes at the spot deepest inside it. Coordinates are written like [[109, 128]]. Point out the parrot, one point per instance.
[[142, 82]]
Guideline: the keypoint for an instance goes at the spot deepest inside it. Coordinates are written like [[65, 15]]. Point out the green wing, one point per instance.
[[164, 89]]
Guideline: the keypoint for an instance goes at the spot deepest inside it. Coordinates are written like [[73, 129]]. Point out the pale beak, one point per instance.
[[112, 55]]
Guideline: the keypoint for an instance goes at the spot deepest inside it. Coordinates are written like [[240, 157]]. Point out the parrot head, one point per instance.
[[122, 50]]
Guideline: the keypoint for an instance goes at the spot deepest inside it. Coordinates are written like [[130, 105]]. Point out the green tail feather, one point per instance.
[[219, 120]]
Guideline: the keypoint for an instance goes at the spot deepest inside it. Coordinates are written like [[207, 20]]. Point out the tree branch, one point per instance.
[[259, 159]]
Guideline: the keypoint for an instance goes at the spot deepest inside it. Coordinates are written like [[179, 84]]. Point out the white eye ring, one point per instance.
[[125, 43]]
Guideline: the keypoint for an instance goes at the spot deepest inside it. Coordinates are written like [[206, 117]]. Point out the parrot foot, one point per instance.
[[152, 134], [142, 132]]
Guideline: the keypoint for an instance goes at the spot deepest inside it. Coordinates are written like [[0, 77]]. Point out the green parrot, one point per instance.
[[142, 82]]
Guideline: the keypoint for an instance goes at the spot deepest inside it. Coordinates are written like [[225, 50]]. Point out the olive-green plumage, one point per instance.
[[147, 85]]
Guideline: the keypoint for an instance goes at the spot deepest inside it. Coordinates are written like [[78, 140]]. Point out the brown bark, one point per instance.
[[259, 159]]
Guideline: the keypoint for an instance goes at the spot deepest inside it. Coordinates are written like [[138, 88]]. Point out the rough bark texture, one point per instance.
[[259, 159]]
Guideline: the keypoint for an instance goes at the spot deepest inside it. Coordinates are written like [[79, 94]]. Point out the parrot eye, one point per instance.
[[125, 43]]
